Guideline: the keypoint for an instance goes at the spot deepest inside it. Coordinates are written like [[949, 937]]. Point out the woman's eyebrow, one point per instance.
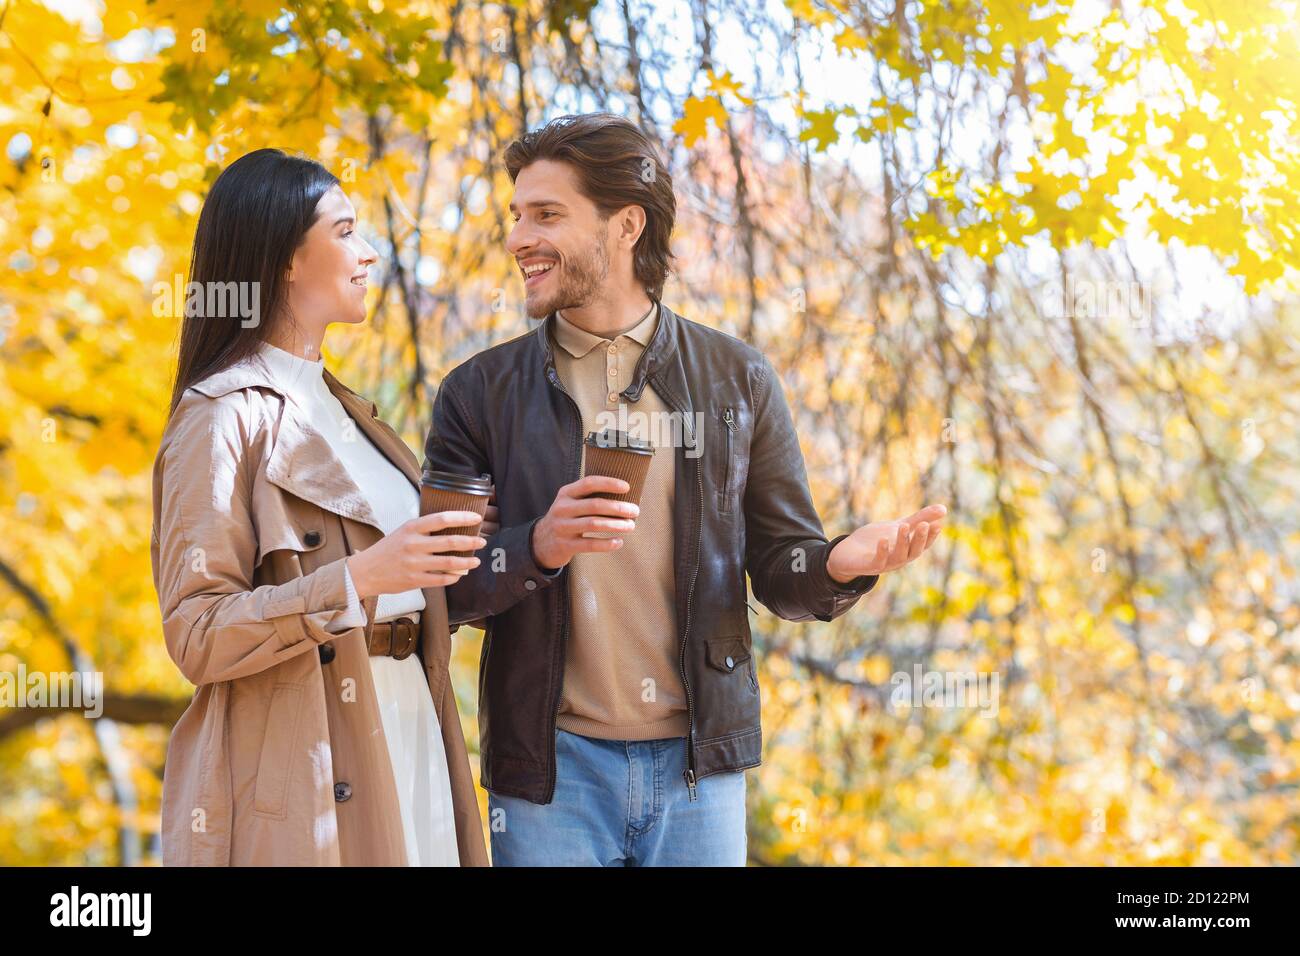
[[343, 219]]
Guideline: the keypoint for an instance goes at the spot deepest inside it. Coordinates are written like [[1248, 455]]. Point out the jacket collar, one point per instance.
[[656, 355], [302, 461]]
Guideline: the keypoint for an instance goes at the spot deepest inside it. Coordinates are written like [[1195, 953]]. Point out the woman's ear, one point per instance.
[[293, 261]]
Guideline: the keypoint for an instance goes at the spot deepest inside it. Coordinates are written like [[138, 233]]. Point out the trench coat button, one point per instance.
[[326, 653], [731, 664], [342, 792], [311, 538], [530, 585]]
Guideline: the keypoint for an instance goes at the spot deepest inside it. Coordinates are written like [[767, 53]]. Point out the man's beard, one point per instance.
[[578, 280]]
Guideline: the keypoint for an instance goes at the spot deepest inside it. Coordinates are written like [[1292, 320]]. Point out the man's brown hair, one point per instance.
[[617, 165]]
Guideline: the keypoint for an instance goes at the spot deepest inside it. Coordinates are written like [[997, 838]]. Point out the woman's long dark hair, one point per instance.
[[256, 215]]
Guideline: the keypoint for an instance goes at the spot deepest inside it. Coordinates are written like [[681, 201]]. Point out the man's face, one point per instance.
[[559, 239]]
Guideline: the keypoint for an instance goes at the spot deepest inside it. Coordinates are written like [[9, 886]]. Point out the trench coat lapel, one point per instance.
[[303, 464], [302, 461]]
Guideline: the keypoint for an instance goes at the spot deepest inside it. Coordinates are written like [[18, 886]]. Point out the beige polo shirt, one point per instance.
[[621, 675]]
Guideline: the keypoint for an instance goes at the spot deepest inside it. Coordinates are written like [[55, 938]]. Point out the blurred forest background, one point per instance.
[[1034, 260]]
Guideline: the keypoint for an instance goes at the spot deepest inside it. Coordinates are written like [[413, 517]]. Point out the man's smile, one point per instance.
[[535, 271]]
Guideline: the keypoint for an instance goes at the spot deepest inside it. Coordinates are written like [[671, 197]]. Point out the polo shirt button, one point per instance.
[[730, 664], [530, 585], [613, 396], [326, 653], [613, 372], [342, 792], [311, 538]]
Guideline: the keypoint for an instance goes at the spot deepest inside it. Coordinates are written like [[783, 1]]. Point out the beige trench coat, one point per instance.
[[280, 758]]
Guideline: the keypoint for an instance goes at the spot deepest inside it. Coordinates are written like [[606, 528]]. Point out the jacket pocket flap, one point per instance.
[[726, 653], [290, 536]]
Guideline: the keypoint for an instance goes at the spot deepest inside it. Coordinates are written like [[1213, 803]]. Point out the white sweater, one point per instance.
[[406, 708]]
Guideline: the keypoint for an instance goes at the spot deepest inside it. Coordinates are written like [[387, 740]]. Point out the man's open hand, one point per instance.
[[885, 545]]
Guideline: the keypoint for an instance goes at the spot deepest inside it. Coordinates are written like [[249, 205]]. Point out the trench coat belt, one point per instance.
[[397, 638]]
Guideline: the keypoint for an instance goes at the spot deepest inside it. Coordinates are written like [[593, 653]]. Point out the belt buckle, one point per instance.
[[401, 647]]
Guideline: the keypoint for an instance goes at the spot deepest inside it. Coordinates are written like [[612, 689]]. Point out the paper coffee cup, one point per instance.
[[447, 491], [616, 454]]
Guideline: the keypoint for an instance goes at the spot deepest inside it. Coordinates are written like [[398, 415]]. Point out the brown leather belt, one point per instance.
[[397, 638]]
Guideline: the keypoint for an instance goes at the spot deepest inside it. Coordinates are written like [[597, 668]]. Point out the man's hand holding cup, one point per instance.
[[559, 534]]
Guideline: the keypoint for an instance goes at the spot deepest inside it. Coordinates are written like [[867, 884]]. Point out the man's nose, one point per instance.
[[518, 239]]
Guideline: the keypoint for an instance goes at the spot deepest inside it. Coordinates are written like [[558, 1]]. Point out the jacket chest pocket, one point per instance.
[[732, 457]]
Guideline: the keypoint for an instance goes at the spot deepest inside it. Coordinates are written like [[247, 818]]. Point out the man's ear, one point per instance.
[[631, 223]]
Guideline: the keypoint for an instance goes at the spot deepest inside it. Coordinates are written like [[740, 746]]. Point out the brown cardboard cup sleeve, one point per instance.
[[446, 491], [617, 455]]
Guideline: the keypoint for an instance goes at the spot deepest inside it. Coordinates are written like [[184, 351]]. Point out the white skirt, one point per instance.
[[419, 760]]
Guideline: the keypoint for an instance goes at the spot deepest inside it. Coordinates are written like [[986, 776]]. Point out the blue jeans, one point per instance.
[[622, 803]]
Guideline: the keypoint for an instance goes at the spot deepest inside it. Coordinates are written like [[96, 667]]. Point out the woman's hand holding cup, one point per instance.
[[416, 556]]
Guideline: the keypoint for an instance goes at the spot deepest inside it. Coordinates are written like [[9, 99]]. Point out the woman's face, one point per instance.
[[327, 279]]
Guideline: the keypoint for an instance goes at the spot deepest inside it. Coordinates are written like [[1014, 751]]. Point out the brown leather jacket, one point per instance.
[[742, 506]]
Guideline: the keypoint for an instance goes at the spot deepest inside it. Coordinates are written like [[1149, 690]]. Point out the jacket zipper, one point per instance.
[[689, 772], [729, 417], [564, 637]]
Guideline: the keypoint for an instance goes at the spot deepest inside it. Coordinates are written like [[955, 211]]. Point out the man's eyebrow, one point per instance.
[[537, 203]]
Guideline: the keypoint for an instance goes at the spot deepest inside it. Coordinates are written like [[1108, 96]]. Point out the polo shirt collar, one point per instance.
[[578, 341]]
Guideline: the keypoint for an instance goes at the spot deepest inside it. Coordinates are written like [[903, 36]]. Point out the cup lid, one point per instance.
[[610, 438], [450, 481]]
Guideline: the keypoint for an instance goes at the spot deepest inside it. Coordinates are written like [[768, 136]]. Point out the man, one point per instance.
[[618, 700]]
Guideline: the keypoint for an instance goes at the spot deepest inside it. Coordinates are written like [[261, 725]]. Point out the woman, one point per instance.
[[299, 590]]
